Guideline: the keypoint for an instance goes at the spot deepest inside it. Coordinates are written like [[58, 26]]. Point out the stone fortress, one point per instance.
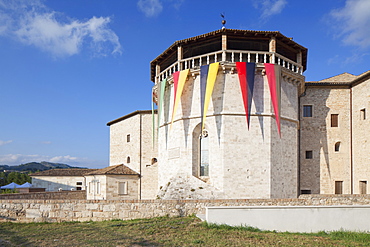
[[235, 119], [306, 138]]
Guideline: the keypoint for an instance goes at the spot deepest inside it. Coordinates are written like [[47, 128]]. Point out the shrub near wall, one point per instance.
[[98, 210]]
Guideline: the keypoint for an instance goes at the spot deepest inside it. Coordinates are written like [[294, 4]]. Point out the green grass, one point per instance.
[[164, 231]]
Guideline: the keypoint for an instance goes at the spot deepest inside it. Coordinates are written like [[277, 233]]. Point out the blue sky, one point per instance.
[[67, 67]]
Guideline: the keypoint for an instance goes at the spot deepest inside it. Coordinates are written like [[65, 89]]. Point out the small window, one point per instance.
[[128, 160], [363, 114], [338, 187], [336, 147], [309, 154], [154, 161], [78, 188], [307, 111], [363, 186], [304, 192], [334, 120], [97, 187], [79, 183], [122, 188], [128, 138]]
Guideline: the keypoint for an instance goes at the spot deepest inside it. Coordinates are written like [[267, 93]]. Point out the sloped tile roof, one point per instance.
[[64, 172], [114, 170], [344, 79], [142, 112], [234, 32]]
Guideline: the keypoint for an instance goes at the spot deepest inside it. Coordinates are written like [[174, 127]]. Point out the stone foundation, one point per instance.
[[99, 210]]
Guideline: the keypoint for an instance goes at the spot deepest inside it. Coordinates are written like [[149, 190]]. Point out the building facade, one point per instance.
[[334, 157], [131, 144], [60, 179]]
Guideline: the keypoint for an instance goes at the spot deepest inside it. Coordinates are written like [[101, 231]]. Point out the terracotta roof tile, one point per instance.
[[64, 172], [114, 170], [344, 79]]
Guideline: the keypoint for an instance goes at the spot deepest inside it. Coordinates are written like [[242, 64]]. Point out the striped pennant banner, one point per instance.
[[273, 72], [179, 79], [208, 75], [246, 72], [161, 90]]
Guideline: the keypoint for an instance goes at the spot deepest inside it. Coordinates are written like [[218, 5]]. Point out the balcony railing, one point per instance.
[[230, 56]]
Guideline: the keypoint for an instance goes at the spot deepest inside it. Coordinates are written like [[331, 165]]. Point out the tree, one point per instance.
[[18, 178], [3, 180]]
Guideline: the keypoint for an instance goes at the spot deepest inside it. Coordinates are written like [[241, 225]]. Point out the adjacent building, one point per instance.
[[334, 148], [60, 179], [132, 143]]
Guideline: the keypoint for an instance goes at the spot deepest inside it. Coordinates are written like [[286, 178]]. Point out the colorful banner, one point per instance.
[[246, 72], [179, 79], [208, 75], [153, 122], [273, 72], [161, 88]]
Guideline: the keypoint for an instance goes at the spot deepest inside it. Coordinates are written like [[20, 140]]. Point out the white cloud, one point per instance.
[[150, 8], [2, 143], [269, 7], [34, 24], [17, 159], [354, 22], [63, 159], [177, 3]]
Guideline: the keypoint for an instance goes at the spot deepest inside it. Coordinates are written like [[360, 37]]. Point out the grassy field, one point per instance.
[[164, 231]]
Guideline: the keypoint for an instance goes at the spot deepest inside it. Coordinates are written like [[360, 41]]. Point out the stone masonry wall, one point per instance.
[[98, 210], [326, 165], [360, 136], [72, 195], [139, 148], [239, 159]]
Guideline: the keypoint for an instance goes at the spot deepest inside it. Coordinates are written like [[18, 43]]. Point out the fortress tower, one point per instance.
[[246, 147]]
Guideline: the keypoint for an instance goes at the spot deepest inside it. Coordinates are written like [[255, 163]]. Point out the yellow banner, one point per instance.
[[211, 79], [181, 83]]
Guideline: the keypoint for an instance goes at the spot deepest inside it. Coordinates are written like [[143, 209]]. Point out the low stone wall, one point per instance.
[[72, 195], [98, 210], [330, 200]]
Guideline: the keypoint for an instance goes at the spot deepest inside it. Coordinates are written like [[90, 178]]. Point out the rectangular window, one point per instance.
[[363, 186], [128, 138], [363, 114], [79, 183], [334, 120], [90, 187], [97, 187], [122, 188], [338, 187], [307, 111], [78, 188], [309, 154], [304, 192]]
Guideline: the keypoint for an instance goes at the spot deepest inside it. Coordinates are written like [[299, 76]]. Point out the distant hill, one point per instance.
[[35, 166]]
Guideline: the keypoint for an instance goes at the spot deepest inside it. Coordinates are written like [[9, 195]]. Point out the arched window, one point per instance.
[[128, 160], [200, 152], [204, 154], [336, 147]]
